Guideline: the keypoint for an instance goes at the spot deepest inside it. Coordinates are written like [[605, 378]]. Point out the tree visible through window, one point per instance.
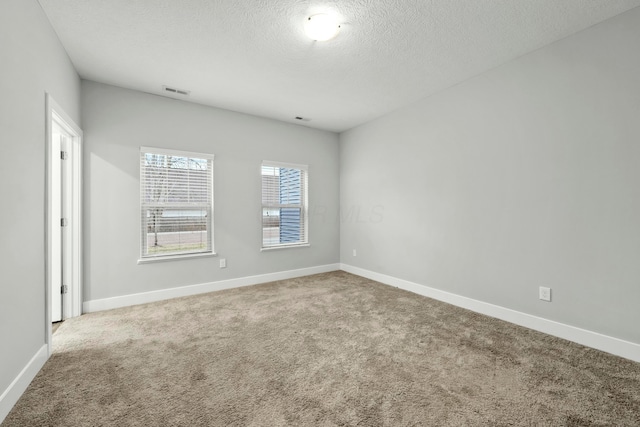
[[176, 195], [284, 205]]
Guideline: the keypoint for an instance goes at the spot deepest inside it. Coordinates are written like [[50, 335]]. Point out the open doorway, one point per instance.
[[64, 217]]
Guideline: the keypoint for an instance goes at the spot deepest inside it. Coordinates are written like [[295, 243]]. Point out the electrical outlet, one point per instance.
[[354, 253], [223, 263], [545, 293]]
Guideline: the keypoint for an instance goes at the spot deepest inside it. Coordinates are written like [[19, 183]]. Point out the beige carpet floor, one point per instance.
[[326, 350]]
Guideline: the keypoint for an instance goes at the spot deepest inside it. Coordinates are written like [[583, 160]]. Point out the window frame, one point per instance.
[[303, 206], [208, 205]]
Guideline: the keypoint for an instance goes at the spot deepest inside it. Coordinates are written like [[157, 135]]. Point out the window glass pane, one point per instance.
[[290, 224], [172, 231], [270, 190], [290, 186], [270, 226]]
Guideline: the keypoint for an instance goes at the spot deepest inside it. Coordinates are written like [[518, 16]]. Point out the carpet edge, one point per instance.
[[12, 394], [188, 290], [596, 340]]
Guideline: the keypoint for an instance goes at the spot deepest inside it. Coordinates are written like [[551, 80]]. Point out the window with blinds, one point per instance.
[[284, 205], [176, 203]]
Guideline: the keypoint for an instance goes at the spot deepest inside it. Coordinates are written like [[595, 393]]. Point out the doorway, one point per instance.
[[64, 217]]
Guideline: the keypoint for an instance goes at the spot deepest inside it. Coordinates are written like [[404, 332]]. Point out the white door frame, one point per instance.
[[72, 300]]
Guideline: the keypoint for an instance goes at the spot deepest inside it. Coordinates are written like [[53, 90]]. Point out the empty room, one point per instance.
[[354, 212]]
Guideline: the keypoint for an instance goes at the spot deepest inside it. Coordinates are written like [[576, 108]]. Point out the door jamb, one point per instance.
[[72, 305]]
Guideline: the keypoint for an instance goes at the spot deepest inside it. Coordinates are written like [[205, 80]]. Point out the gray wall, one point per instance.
[[32, 62], [116, 122], [526, 175]]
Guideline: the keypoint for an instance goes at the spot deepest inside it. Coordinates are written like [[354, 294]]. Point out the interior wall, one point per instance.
[[32, 62], [116, 122], [524, 176]]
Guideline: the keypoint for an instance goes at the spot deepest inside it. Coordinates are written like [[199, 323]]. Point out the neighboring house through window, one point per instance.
[[176, 200], [284, 205]]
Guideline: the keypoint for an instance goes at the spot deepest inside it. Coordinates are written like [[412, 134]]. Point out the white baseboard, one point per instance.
[[183, 291], [11, 395], [591, 339]]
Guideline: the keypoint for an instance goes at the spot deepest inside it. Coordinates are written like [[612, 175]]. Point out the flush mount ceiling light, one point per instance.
[[321, 27]]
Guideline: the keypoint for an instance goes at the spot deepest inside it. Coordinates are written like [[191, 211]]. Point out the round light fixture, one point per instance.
[[321, 27]]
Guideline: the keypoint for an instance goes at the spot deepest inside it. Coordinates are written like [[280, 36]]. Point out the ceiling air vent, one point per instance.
[[176, 91], [302, 119]]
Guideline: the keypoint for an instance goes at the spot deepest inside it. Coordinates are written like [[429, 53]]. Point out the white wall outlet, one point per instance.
[[223, 263], [354, 253], [545, 293]]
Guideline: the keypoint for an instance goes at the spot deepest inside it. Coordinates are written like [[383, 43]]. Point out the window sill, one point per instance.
[[175, 257], [273, 248]]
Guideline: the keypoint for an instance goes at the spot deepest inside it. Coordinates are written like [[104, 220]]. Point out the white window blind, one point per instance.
[[284, 205], [176, 200]]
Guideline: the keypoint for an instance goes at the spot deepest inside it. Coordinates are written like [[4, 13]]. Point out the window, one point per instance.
[[284, 205], [176, 201]]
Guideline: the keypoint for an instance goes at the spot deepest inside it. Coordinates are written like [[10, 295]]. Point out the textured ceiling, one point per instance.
[[252, 55]]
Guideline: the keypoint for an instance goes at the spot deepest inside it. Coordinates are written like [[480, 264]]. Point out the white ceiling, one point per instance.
[[252, 55]]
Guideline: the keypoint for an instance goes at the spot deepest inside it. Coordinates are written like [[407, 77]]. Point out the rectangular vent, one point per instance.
[[176, 91]]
